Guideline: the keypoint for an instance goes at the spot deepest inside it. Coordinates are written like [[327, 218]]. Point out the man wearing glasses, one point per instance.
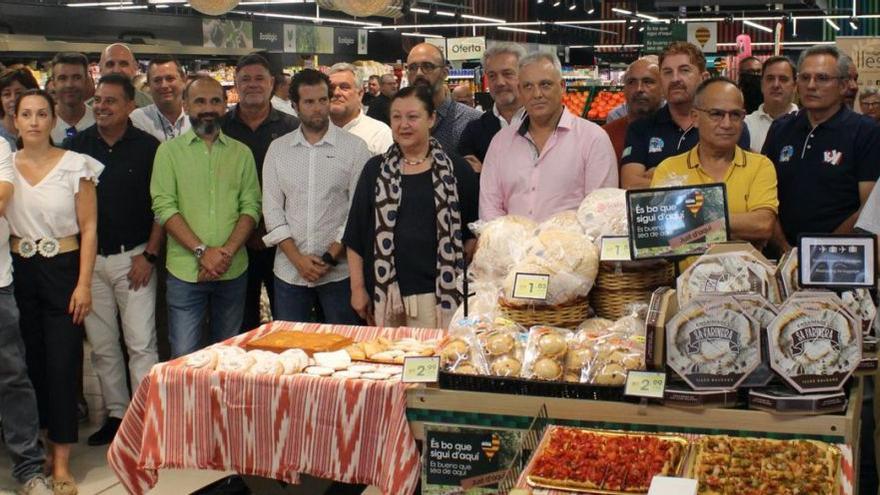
[[869, 102], [425, 66], [750, 178], [825, 153], [670, 131]]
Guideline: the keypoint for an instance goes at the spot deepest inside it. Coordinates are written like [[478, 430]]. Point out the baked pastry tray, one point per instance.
[[571, 486]]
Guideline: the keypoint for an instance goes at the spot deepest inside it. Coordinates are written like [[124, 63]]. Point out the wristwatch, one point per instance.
[[329, 259], [199, 251], [150, 257]]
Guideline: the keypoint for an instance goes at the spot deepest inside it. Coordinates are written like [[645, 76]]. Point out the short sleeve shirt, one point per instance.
[[7, 174], [820, 168], [650, 141]]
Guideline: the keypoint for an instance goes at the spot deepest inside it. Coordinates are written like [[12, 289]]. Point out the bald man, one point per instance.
[[463, 94], [426, 66], [119, 59], [644, 95]]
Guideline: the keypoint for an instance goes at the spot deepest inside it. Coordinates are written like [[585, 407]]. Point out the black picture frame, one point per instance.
[[809, 245]]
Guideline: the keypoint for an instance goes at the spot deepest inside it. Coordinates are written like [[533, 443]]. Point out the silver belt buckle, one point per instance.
[[27, 248], [48, 247]]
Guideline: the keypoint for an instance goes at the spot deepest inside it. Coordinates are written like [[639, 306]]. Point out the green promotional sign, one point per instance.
[[657, 36]]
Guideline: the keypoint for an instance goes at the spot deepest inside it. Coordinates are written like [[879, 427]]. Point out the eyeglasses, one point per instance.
[[427, 67], [869, 104], [717, 115], [819, 79]]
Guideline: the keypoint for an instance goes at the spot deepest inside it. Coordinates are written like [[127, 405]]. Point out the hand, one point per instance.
[[140, 272], [474, 162], [310, 267], [215, 261], [363, 305], [80, 303], [203, 276]]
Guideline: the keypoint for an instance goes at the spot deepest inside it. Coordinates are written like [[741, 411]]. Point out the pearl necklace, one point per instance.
[[415, 163]]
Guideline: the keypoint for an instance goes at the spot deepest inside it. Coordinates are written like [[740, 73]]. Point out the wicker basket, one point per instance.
[[621, 284], [568, 315]]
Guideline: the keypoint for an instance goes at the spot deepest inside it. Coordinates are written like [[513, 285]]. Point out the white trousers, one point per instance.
[[111, 296]]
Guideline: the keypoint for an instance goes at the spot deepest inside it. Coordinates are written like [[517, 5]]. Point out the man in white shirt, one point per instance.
[[778, 86], [70, 72], [281, 97], [164, 119], [309, 177], [346, 110], [18, 402]]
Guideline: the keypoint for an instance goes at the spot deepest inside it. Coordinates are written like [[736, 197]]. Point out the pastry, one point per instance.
[[454, 351], [362, 368], [466, 369], [546, 369], [346, 374], [293, 361], [506, 366], [603, 213], [577, 359], [498, 246], [236, 363], [338, 360], [356, 352], [610, 374], [375, 375], [272, 367], [551, 345], [307, 341], [726, 272], [319, 371], [498, 343], [204, 359]]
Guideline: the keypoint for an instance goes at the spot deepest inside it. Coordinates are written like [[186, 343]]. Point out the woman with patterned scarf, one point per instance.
[[407, 229]]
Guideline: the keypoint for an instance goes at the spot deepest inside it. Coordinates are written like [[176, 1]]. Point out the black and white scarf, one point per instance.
[[389, 309]]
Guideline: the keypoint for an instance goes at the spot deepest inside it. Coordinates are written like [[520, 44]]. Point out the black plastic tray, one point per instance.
[[523, 386]]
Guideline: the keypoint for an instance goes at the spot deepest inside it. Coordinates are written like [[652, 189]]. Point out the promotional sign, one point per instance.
[[865, 51], [269, 36], [466, 48], [362, 41], [461, 459], [704, 35], [345, 41], [439, 43], [676, 221], [308, 39], [836, 261], [657, 36], [217, 33]]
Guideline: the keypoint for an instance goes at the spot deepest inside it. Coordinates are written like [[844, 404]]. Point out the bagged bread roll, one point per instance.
[[603, 212], [504, 350], [545, 353], [564, 220], [461, 353], [499, 245]]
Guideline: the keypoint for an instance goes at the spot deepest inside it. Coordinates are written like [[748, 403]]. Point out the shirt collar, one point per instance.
[[329, 137], [273, 116], [518, 116], [163, 120], [566, 121], [191, 137], [835, 122], [92, 132], [355, 121], [693, 158], [764, 115]]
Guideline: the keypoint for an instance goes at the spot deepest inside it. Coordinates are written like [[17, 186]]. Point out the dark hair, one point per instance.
[[425, 95], [374, 77], [713, 80], [747, 59], [279, 79], [35, 92], [21, 76], [777, 59], [684, 48], [121, 81], [307, 77], [165, 59], [201, 78], [70, 58], [252, 59]]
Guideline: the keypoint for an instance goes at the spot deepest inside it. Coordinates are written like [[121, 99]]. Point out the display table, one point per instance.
[[352, 431], [490, 410]]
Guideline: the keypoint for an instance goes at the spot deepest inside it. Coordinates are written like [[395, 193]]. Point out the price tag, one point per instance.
[[667, 485], [615, 248], [531, 286], [648, 384], [421, 369]]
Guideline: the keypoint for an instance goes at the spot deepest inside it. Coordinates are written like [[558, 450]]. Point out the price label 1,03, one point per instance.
[[648, 384], [531, 286], [615, 248], [421, 369]]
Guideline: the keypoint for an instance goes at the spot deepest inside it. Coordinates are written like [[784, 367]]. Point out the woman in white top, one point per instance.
[[53, 220]]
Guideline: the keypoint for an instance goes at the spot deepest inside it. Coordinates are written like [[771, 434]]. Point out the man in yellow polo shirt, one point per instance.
[[750, 178]]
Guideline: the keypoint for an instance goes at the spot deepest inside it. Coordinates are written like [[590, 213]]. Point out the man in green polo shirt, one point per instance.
[[206, 194]]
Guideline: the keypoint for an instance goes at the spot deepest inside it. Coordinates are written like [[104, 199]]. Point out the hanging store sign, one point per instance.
[[465, 48], [704, 35], [269, 36]]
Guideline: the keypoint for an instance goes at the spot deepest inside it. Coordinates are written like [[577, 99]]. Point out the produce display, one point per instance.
[[576, 101], [604, 102], [753, 466], [584, 460]]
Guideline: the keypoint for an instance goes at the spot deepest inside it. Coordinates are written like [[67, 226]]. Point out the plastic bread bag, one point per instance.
[[568, 258], [482, 302], [504, 348], [564, 220], [603, 213], [580, 356], [499, 246], [461, 353], [545, 353], [613, 356], [593, 327]]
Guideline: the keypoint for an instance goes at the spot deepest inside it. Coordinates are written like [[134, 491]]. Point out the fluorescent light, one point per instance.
[[648, 17], [572, 6], [419, 10], [540, 1], [832, 24], [758, 26], [479, 18], [444, 13], [853, 25], [556, 3], [137, 7], [592, 21], [592, 9], [269, 2], [641, 29], [421, 35], [455, 24], [621, 11], [520, 30], [611, 46], [307, 18], [100, 4]]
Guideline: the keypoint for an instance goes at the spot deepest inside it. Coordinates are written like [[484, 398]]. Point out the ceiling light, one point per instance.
[[852, 24], [621, 11], [757, 26], [421, 35], [648, 17], [519, 30], [100, 4], [556, 3], [641, 29], [833, 24], [572, 4], [136, 7], [479, 18], [592, 9], [418, 10], [540, 1]]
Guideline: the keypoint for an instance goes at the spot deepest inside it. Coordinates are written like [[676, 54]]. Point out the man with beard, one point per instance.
[[254, 122], [164, 118], [118, 59], [670, 131], [852, 82], [70, 72], [347, 113], [750, 70], [306, 203], [778, 87], [501, 66], [380, 105], [206, 195], [426, 67], [643, 94], [129, 241]]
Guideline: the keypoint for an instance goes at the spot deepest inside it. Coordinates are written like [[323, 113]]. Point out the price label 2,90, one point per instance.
[[421, 369], [531, 286], [648, 384]]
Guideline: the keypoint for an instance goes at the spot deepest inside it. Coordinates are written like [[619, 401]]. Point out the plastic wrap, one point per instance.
[[461, 353], [603, 212], [602, 352], [545, 353], [726, 273], [564, 220], [499, 246]]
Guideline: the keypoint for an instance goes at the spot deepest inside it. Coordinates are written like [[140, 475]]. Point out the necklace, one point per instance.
[[414, 163]]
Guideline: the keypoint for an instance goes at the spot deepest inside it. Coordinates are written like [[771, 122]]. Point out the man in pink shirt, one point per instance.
[[552, 160]]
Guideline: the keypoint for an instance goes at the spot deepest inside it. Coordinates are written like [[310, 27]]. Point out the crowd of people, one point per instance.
[[350, 201]]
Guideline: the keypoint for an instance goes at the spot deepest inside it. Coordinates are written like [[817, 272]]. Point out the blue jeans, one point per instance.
[[18, 402], [295, 302], [187, 307]]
